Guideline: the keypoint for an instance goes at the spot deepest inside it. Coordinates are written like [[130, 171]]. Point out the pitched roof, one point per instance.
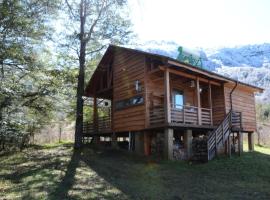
[[169, 60]]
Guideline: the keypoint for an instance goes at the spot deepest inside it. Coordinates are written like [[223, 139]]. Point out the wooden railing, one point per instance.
[[236, 119], [104, 125], [206, 116], [182, 115], [221, 134], [88, 128]]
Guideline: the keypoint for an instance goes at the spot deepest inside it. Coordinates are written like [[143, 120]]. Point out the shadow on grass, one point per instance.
[[141, 178], [93, 173], [61, 191]]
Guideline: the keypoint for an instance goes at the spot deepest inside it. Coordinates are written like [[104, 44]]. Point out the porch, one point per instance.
[[180, 99], [100, 123]]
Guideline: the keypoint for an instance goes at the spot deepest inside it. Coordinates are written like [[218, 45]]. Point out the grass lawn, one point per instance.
[[58, 172]]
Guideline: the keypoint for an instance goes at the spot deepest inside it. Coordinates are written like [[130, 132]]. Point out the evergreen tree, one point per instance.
[[94, 24]]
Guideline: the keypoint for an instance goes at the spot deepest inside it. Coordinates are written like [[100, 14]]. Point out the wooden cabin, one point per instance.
[[161, 106]]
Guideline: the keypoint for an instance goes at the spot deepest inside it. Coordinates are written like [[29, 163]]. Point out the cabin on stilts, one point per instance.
[[156, 105]]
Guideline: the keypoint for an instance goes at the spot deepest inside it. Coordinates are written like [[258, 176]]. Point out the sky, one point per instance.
[[202, 23]]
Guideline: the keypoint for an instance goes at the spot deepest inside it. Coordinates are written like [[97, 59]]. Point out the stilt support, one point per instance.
[[168, 143], [188, 143], [114, 140], [240, 143], [251, 141]]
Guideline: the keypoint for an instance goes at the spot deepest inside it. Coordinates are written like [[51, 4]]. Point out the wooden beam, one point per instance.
[[198, 71], [240, 143], [229, 145], [210, 102], [95, 114], [167, 102], [188, 142], [146, 142], [173, 71], [251, 141], [198, 101], [146, 95], [168, 143]]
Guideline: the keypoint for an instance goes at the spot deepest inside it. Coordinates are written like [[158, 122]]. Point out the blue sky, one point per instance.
[[202, 23]]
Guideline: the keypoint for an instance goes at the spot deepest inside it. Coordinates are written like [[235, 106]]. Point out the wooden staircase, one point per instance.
[[219, 136]]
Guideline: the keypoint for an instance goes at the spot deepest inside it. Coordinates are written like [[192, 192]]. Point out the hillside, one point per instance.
[[249, 63]]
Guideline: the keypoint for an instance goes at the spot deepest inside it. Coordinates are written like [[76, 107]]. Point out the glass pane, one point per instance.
[[178, 99]]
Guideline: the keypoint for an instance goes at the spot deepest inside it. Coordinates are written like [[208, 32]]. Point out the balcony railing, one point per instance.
[[103, 126], [182, 114]]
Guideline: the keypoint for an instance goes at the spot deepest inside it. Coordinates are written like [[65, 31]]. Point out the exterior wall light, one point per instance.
[[138, 86]]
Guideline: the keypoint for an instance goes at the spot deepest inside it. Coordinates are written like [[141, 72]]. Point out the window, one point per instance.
[[177, 99], [137, 100]]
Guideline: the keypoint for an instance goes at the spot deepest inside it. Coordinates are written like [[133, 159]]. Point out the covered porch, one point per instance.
[[183, 99]]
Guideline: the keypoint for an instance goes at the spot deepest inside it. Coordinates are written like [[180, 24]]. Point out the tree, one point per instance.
[[95, 24], [25, 76]]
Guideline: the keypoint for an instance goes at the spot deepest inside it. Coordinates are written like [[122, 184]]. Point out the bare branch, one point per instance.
[[70, 9], [96, 21], [97, 50]]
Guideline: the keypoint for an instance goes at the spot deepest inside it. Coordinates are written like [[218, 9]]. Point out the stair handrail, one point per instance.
[[213, 136]]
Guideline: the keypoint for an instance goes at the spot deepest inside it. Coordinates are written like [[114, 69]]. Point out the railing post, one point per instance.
[[210, 102], [223, 133], [167, 104], [198, 101], [240, 120], [216, 142], [95, 115], [183, 114]]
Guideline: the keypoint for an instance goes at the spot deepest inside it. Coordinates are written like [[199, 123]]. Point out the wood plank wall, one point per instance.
[[243, 101], [218, 103], [127, 68], [155, 89]]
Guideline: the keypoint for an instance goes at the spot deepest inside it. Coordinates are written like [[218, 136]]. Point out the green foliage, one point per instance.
[[263, 111], [27, 82], [38, 66]]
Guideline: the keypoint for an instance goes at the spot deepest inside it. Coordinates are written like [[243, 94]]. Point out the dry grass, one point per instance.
[[58, 172]]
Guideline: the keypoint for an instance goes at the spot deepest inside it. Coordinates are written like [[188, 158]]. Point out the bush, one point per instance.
[[12, 138]]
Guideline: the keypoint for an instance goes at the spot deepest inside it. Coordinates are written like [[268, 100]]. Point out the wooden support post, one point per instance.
[[223, 133], [95, 115], [96, 138], [129, 141], [240, 143], [168, 143], [251, 141], [188, 143], [216, 143], [146, 142], [167, 102], [138, 143], [210, 102], [229, 145], [198, 101], [114, 140]]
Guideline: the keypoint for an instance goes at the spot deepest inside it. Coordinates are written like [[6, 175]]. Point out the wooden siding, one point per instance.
[[127, 68], [243, 101], [155, 89], [218, 103]]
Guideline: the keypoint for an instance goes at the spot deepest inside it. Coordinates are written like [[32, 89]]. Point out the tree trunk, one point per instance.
[[80, 87]]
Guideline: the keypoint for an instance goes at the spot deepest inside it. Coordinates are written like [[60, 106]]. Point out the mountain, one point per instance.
[[249, 63]]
